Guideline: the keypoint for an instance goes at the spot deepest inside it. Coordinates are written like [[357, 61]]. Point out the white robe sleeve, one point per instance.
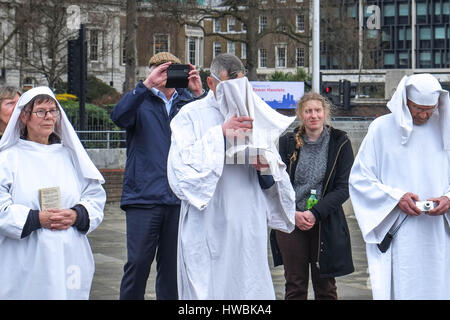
[[12, 216], [93, 198], [373, 202], [447, 215], [195, 161], [281, 204]]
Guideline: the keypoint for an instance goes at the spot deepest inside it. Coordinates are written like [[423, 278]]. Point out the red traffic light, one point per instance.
[[328, 90]]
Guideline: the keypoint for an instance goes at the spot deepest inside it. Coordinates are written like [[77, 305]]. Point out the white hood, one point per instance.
[[63, 129], [422, 89], [237, 97]]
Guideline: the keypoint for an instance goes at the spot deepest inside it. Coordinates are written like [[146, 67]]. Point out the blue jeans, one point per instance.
[[147, 230]]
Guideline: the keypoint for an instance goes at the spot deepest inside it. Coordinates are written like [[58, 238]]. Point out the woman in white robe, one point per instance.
[[45, 254], [403, 154]]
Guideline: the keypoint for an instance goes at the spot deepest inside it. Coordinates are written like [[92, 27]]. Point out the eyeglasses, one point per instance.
[[215, 77], [43, 113], [420, 110], [233, 75]]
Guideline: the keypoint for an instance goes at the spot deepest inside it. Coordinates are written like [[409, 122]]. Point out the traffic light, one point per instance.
[[327, 90], [73, 67], [77, 72], [77, 64], [346, 88]]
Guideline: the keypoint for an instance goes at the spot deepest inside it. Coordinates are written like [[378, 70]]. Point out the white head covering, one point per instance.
[[422, 89], [65, 131], [237, 97]]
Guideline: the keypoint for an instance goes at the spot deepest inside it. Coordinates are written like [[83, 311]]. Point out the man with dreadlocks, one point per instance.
[[317, 157]]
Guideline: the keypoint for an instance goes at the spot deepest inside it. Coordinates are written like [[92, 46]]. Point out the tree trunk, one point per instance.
[[252, 40], [130, 46]]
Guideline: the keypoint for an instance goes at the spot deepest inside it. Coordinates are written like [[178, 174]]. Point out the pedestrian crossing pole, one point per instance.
[[316, 47]]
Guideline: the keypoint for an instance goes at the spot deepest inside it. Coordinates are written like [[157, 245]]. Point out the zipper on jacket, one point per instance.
[[323, 194]]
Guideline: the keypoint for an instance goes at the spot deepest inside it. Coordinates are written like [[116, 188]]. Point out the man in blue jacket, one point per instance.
[[152, 209]]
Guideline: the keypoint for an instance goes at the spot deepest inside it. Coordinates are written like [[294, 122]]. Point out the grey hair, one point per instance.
[[229, 63], [8, 92]]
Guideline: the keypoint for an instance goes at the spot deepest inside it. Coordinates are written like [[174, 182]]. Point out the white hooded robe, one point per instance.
[[46, 264], [225, 214], [397, 157]]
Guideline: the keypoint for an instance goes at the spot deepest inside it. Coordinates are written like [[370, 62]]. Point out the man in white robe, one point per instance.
[[225, 212], [40, 262], [404, 158]]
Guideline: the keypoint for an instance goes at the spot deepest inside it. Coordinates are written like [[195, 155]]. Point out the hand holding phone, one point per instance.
[[177, 76]]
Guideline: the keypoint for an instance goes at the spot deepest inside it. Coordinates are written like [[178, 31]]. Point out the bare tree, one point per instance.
[[43, 34], [7, 8], [247, 13], [339, 35]]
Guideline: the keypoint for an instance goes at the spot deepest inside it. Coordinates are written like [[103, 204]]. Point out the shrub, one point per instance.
[[300, 75], [97, 118], [96, 88], [62, 97]]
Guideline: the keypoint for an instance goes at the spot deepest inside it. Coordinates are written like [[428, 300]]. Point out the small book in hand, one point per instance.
[[50, 198]]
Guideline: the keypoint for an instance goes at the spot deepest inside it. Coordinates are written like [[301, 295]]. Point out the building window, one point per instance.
[[231, 24], [389, 60], [23, 44], [437, 59], [124, 47], [403, 13], [404, 38], [262, 58], [262, 23], [243, 50], [389, 14], [439, 37], [421, 12], [93, 45], [161, 43], [300, 25], [231, 47], [280, 54], [425, 37], [280, 25], [300, 57], [403, 60], [192, 51], [425, 59], [217, 49], [446, 8], [217, 25], [323, 61], [386, 35], [352, 11]]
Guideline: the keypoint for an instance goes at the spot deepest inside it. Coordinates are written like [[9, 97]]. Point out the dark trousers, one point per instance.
[[149, 229], [299, 252]]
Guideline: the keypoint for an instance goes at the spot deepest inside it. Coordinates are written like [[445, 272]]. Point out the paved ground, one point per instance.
[[109, 246]]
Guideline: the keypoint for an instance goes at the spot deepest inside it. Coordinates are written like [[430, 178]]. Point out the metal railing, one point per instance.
[[107, 139], [102, 139]]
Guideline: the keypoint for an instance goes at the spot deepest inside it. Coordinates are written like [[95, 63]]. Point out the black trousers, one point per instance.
[[149, 231], [299, 252]]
